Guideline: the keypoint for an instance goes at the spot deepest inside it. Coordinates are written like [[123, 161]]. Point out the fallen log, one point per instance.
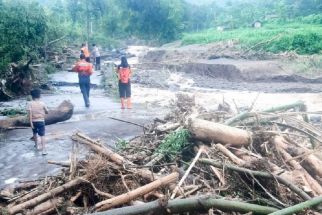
[[62, 113], [288, 184], [299, 207], [218, 133], [189, 205], [118, 159], [48, 195], [129, 196]]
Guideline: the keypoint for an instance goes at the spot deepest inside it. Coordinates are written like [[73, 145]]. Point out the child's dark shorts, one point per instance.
[[39, 128]]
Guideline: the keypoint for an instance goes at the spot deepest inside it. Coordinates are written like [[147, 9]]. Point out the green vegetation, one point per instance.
[[121, 144], [23, 30], [12, 112], [302, 38], [29, 26], [174, 142]]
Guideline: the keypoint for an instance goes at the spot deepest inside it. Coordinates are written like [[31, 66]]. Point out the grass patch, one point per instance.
[[174, 142], [302, 38]]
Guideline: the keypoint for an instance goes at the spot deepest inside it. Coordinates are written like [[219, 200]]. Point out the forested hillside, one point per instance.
[[28, 25]]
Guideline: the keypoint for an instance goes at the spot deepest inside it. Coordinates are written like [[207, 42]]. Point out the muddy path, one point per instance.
[[19, 159], [154, 87]]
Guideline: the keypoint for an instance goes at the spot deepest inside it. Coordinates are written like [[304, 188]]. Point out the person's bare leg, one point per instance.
[[43, 144], [35, 139]]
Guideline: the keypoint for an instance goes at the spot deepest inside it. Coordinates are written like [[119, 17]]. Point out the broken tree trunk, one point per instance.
[[176, 206], [127, 197], [62, 113], [218, 133], [98, 148], [48, 195]]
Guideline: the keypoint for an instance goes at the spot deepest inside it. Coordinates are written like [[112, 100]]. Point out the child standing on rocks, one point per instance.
[[37, 111]]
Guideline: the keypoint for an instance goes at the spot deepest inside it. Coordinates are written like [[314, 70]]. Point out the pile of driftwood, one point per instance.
[[190, 162]]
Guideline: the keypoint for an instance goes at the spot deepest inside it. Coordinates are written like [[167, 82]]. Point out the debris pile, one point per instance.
[[192, 161]]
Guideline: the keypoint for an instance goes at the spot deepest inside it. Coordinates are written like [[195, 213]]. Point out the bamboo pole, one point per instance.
[[299, 207], [129, 196], [188, 205], [244, 115]]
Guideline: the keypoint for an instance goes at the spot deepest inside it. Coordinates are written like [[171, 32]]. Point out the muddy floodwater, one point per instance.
[[20, 161]]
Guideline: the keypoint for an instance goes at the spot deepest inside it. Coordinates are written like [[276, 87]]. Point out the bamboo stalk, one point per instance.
[[244, 115], [129, 196], [299, 207], [188, 205]]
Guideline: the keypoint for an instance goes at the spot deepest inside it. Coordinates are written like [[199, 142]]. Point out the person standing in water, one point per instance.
[[84, 70], [36, 112], [124, 75]]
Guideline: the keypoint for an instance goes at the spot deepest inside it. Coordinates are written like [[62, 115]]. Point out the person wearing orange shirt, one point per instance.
[[85, 51], [84, 70], [124, 73]]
